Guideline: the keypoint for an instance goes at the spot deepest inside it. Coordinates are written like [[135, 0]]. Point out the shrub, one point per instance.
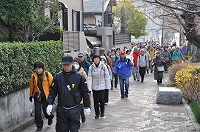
[[196, 111], [174, 68], [188, 81], [17, 59]]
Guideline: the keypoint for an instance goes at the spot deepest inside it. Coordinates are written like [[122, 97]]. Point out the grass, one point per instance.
[[196, 111]]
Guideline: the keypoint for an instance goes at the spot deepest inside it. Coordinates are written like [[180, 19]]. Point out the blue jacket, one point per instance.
[[177, 55], [123, 68], [86, 66]]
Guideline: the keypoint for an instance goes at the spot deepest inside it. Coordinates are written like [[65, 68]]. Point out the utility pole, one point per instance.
[[102, 21]]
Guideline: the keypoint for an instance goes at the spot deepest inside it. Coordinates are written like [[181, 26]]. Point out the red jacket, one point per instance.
[[135, 55]]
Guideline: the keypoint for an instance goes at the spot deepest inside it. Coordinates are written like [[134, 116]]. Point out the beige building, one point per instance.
[[98, 23]]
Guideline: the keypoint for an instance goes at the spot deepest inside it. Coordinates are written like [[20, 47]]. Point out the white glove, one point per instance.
[[87, 111], [49, 109]]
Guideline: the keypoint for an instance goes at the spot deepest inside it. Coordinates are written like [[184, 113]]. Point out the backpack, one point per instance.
[[145, 59]]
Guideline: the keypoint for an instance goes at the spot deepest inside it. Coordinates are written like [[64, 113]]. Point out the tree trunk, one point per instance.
[[198, 55], [10, 34], [26, 33]]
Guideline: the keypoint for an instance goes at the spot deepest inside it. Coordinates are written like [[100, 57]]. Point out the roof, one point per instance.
[[93, 41], [95, 6]]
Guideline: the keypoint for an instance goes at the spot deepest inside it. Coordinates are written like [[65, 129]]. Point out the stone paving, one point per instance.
[[137, 113]]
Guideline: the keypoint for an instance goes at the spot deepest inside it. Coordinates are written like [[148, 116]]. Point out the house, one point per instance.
[[70, 19], [98, 23]]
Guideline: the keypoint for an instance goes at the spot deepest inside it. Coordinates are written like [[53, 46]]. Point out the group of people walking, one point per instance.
[[95, 75]]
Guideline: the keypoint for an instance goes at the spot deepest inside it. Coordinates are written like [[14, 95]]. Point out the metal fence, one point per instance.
[[122, 39], [71, 41]]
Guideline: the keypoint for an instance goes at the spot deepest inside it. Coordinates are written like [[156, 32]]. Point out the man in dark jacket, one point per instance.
[[85, 63], [70, 87]]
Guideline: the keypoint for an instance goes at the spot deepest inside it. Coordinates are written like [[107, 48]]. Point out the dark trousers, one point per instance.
[[82, 111], [38, 113], [142, 71], [116, 79], [68, 119], [106, 96], [99, 98]]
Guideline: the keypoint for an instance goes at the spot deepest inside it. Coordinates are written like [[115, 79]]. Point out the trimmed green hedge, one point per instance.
[[17, 59], [196, 111]]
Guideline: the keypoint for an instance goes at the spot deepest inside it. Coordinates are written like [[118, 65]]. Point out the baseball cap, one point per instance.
[[66, 59], [80, 54], [122, 52]]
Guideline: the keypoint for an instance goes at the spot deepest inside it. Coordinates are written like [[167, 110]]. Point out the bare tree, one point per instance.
[[187, 14]]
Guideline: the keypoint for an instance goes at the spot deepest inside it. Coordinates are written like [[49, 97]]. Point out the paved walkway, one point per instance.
[[137, 113]]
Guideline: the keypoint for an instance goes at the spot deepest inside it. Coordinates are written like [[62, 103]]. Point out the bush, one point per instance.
[[196, 111], [188, 81], [174, 68], [17, 59]]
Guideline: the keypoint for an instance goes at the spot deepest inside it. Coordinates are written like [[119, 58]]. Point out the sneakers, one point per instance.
[[122, 97], [126, 95], [39, 129]]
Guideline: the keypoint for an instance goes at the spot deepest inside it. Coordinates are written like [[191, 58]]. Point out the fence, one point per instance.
[[71, 41], [122, 39]]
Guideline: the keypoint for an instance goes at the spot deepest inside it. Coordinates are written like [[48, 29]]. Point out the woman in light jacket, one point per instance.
[[98, 81]]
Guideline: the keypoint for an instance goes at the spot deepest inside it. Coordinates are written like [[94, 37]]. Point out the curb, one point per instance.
[[25, 123], [191, 116]]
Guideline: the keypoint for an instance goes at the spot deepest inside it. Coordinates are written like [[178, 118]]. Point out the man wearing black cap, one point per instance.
[[70, 87], [85, 63]]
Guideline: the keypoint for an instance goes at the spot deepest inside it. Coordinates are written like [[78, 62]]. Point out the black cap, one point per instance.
[[80, 54], [67, 59]]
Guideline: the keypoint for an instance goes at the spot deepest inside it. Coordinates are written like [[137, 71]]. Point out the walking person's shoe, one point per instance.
[[102, 115], [126, 95], [50, 121], [83, 119], [158, 82], [142, 80], [122, 97], [96, 117], [39, 129]]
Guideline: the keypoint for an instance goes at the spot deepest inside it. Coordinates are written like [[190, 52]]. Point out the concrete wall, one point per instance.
[[89, 19], [15, 108], [83, 43], [76, 5], [107, 36]]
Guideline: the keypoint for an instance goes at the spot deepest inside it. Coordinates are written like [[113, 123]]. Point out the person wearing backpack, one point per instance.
[[40, 83], [98, 81], [123, 68], [142, 64]]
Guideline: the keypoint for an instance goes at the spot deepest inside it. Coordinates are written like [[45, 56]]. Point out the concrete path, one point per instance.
[[137, 113]]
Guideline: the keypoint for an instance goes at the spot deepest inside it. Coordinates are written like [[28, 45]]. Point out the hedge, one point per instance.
[[17, 59]]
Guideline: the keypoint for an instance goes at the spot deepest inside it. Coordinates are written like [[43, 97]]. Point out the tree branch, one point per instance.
[[171, 7], [2, 22]]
